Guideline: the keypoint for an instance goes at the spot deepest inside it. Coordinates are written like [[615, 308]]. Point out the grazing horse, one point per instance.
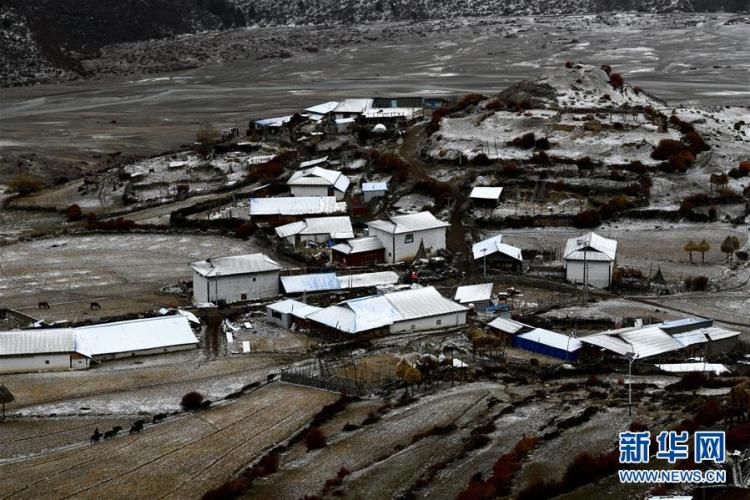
[[159, 417], [96, 436], [43, 305], [95, 306], [109, 434]]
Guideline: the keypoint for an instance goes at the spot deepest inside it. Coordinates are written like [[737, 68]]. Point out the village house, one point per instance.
[[325, 282], [365, 251], [280, 210], [317, 181], [493, 253], [418, 309], [477, 296], [536, 340], [289, 312], [235, 279], [40, 350], [351, 108], [486, 197], [319, 111], [373, 190], [590, 258], [407, 236], [316, 230]]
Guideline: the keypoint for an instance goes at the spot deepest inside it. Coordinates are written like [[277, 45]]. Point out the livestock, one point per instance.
[[159, 417], [95, 306], [43, 305], [96, 436]]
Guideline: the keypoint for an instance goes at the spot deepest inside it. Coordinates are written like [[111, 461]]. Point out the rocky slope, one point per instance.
[[48, 40]]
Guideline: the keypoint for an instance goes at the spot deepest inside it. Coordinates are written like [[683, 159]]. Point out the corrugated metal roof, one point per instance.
[[273, 122], [407, 223], [552, 339], [507, 325], [134, 335], [486, 193], [407, 113], [373, 312], [593, 244], [368, 279], [294, 307], [473, 293], [374, 186], [296, 205], [353, 106], [422, 303], [312, 163], [29, 342], [495, 245], [685, 324], [323, 108], [690, 338], [609, 342], [716, 368], [236, 264], [317, 282], [318, 176], [650, 341], [716, 333], [334, 227], [359, 245]]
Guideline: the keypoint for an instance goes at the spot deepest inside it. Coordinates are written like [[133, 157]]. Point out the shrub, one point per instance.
[[636, 426], [315, 439], [447, 109], [667, 148], [636, 167], [696, 283], [392, 164], [681, 161], [245, 230], [25, 184], [709, 413], [192, 401], [569, 64], [585, 163], [526, 141], [74, 213], [268, 464], [587, 219], [693, 380], [606, 68], [542, 143], [738, 437], [683, 126], [696, 143], [744, 167], [481, 159], [511, 170], [616, 80], [266, 172]]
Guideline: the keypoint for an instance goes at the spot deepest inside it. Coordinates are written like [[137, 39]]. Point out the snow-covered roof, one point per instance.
[[650, 341], [495, 245], [507, 325], [552, 339], [335, 227], [323, 108], [318, 176], [716, 368], [273, 122], [486, 193], [473, 293], [359, 245], [316, 282], [353, 106], [134, 335], [398, 224], [690, 338], [313, 162], [596, 248], [716, 333], [29, 342], [422, 303], [367, 313], [374, 186], [236, 264], [293, 307], [296, 205], [365, 280], [608, 342]]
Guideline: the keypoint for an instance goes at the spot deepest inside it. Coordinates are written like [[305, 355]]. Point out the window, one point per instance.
[[253, 278], [243, 296], [409, 238], [46, 361], [276, 314], [439, 322], [413, 327]]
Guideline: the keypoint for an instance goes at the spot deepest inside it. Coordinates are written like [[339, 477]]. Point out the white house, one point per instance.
[[136, 337], [493, 250], [320, 111], [372, 190], [404, 235], [289, 311], [317, 181], [591, 258], [236, 278], [486, 195], [40, 350], [418, 309], [351, 108], [478, 295], [318, 230], [295, 206]]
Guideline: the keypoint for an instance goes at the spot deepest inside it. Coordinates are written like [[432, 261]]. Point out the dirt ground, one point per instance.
[[122, 272], [180, 458]]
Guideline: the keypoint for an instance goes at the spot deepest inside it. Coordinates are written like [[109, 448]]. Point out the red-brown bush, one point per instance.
[[245, 230], [315, 439], [667, 148], [696, 283], [636, 426], [587, 219], [74, 213], [191, 401], [684, 127], [695, 142], [709, 413], [616, 80], [738, 437], [526, 141], [511, 170], [392, 164], [681, 161]]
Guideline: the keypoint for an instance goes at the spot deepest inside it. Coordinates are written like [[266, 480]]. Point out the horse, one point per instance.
[[109, 434], [159, 417], [95, 306], [96, 436], [43, 305]]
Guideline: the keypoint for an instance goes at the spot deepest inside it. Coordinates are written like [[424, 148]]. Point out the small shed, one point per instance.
[[359, 252], [288, 312], [547, 343], [494, 253], [317, 230], [310, 283], [590, 258], [478, 295], [373, 190], [318, 181], [486, 196], [235, 278]]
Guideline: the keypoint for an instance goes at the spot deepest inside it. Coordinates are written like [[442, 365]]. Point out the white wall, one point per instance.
[[599, 273], [146, 352], [434, 240], [369, 195], [284, 321], [309, 191], [231, 288], [421, 324], [37, 362]]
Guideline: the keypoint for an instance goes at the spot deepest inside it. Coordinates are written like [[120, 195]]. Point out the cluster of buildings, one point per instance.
[[75, 348]]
